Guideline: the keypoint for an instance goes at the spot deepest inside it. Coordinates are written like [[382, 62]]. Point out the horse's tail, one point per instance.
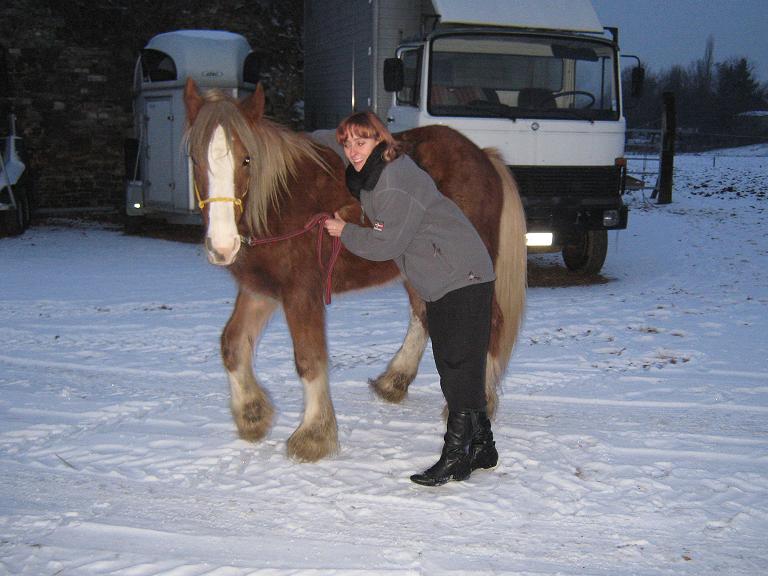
[[511, 269]]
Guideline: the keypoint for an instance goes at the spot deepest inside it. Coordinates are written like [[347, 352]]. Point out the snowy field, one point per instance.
[[633, 428]]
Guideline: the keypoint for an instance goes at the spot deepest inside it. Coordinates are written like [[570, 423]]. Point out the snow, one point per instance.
[[632, 428]]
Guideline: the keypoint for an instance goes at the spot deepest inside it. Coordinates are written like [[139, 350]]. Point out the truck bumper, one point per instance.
[[566, 201]]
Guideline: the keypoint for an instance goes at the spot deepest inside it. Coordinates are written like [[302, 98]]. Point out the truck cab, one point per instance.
[[541, 87]]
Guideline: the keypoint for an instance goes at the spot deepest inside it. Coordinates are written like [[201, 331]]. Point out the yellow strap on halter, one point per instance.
[[236, 201], [201, 203]]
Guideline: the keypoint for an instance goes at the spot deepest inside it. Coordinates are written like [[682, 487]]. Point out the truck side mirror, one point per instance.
[[638, 81], [393, 75]]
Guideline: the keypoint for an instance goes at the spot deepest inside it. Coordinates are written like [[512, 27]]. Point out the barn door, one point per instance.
[[160, 156]]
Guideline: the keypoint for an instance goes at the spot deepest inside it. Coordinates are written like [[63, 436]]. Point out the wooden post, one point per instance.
[[663, 190]]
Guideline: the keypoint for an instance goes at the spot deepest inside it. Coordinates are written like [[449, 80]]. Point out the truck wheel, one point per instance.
[[587, 255]]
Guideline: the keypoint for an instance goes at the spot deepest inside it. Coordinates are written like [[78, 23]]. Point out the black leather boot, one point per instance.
[[482, 450], [454, 462]]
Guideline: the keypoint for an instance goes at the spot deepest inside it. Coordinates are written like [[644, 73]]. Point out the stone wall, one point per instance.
[[69, 71]]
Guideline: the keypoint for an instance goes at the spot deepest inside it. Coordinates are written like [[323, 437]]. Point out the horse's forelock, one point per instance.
[[275, 153], [214, 113]]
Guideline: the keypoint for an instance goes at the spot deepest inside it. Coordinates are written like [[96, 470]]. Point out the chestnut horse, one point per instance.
[[256, 179]]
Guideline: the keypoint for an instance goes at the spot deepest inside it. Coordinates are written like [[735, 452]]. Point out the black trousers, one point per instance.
[[460, 329]]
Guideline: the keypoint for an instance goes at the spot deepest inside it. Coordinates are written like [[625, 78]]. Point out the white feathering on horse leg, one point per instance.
[[392, 385], [251, 409], [317, 436], [251, 406]]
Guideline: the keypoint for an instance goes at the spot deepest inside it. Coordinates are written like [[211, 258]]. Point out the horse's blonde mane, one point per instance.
[[275, 153]]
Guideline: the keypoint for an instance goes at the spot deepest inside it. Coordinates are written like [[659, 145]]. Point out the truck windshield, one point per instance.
[[521, 76]]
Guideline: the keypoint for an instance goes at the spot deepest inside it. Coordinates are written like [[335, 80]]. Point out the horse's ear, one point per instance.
[[253, 105], [192, 100]]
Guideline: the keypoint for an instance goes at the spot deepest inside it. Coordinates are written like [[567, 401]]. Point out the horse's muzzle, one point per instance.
[[222, 256]]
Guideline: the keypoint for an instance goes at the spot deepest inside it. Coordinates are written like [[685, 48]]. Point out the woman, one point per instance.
[[443, 257]]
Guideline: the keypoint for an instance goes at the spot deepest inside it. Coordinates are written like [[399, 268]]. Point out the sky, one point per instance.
[[663, 33]]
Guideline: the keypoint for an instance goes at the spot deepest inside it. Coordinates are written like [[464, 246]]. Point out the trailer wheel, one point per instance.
[[11, 222], [14, 222], [26, 206], [587, 254]]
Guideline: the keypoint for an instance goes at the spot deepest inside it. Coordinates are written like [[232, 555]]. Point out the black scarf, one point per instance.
[[368, 176]]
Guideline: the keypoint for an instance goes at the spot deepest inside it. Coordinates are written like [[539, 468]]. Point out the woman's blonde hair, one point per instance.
[[367, 125]]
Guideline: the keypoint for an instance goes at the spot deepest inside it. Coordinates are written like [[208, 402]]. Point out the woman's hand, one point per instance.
[[335, 225]]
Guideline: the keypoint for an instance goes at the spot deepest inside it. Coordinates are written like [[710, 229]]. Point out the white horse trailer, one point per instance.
[[159, 169]]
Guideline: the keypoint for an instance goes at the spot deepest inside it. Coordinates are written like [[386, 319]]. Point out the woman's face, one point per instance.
[[358, 149]]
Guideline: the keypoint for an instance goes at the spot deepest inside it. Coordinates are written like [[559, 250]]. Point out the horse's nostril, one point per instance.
[[213, 254], [217, 256]]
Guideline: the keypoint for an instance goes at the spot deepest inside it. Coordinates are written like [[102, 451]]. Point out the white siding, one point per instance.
[[338, 33], [398, 20]]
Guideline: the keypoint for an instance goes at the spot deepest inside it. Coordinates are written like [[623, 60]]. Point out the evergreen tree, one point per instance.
[[737, 92], [709, 96]]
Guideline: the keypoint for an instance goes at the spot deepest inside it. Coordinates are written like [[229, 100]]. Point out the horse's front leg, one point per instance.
[[316, 436], [251, 406], [392, 384]]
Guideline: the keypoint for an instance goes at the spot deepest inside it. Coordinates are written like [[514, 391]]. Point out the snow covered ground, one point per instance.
[[633, 428]]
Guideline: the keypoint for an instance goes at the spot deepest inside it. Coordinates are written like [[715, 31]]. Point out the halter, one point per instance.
[[235, 200], [316, 221]]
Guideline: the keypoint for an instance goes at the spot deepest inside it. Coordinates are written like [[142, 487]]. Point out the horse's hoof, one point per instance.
[[253, 420], [391, 387], [313, 443]]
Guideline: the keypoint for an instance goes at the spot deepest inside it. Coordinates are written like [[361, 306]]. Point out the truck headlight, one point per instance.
[[538, 238], [610, 218]]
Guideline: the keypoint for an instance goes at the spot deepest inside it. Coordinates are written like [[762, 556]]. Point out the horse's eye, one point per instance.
[[246, 161]]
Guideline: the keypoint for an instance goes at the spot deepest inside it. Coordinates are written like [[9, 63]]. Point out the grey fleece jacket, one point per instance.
[[430, 239]]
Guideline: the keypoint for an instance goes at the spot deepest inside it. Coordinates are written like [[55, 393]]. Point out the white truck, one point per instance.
[[539, 80]]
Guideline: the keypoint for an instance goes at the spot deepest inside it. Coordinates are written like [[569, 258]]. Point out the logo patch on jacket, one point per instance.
[[378, 226]]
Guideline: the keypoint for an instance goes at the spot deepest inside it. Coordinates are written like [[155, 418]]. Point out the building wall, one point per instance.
[[70, 67], [345, 35], [337, 39]]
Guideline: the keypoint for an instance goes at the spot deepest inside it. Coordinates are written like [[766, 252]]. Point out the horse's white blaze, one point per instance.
[[222, 240]]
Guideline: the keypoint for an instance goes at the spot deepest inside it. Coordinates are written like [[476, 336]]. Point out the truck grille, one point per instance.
[[539, 182]]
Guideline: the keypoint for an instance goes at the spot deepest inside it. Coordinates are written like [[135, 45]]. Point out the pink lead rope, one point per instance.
[[316, 220]]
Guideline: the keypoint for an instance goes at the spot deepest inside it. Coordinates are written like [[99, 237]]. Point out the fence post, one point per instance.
[[663, 190]]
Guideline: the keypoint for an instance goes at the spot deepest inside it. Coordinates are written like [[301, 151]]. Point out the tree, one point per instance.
[[700, 97], [709, 96], [737, 91]]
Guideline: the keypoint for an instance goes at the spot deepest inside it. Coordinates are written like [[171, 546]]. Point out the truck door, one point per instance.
[[160, 152]]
